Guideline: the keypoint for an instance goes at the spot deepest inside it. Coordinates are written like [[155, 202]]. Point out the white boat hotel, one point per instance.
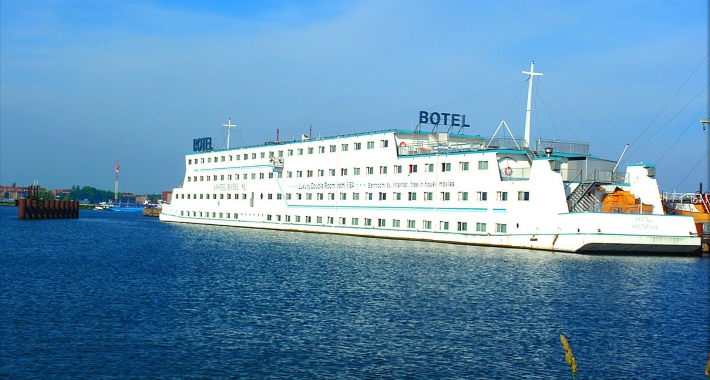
[[435, 186]]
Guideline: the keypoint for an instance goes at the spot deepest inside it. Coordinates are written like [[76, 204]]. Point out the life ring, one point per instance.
[[508, 171], [402, 144]]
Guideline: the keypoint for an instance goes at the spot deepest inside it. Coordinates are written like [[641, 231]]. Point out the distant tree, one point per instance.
[[14, 184]]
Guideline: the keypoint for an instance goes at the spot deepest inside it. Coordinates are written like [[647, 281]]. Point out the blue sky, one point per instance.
[[83, 84]]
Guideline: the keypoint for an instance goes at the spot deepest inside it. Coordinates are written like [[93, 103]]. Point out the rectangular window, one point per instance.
[[428, 196], [445, 196], [278, 196], [344, 147], [370, 170], [368, 222], [443, 226], [380, 222], [309, 196], [268, 217], [288, 218], [426, 224], [290, 152], [261, 175], [289, 174], [358, 146], [271, 154], [384, 143], [463, 195], [383, 170], [221, 177], [342, 221], [395, 223], [271, 175], [298, 219], [281, 153], [354, 221], [343, 196], [445, 166], [482, 196], [309, 173], [428, 168], [319, 219], [278, 217], [412, 196], [501, 196], [411, 223], [321, 172], [298, 196], [463, 166], [221, 196], [356, 171], [331, 196], [368, 196], [320, 196], [262, 154], [523, 195], [331, 172], [412, 168], [462, 226], [300, 151], [383, 196], [356, 196], [288, 196], [332, 148], [343, 172], [253, 175], [253, 156], [321, 149], [330, 220], [308, 219], [299, 174], [398, 169], [310, 150], [482, 165], [481, 227], [397, 196], [501, 228], [370, 145]]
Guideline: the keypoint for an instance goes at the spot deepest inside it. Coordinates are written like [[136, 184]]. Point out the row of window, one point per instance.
[[369, 170], [481, 196], [290, 152], [367, 222]]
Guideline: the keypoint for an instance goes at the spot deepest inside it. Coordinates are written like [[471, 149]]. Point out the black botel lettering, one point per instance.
[[195, 144], [446, 118], [455, 120], [423, 117], [435, 118], [463, 121]]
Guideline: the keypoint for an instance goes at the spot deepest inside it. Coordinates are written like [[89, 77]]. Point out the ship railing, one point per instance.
[[682, 197], [571, 175], [517, 174], [420, 147], [621, 208], [559, 146]]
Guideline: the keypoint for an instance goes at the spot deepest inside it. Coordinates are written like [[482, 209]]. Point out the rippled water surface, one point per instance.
[[119, 295]]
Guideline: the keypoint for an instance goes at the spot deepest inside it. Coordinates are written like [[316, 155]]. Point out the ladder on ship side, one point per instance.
[[580, 200]]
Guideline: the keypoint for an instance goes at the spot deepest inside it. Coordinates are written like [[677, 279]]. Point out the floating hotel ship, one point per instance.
[[435, 186]]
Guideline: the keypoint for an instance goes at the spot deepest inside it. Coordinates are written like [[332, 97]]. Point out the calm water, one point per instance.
[[119, 295]]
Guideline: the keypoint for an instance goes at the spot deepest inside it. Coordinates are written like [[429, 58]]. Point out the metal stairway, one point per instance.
[[580, 200]]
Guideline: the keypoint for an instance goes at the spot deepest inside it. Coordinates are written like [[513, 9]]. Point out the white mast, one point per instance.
[[532, 74], [229, 126]]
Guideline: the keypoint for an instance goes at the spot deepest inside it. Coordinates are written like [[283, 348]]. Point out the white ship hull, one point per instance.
[[432, 187]]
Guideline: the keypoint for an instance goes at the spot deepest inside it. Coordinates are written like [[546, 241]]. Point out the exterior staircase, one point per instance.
[[580, 200]]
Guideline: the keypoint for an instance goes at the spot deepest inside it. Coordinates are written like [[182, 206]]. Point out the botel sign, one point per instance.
[[202, 144], [443, 118]]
